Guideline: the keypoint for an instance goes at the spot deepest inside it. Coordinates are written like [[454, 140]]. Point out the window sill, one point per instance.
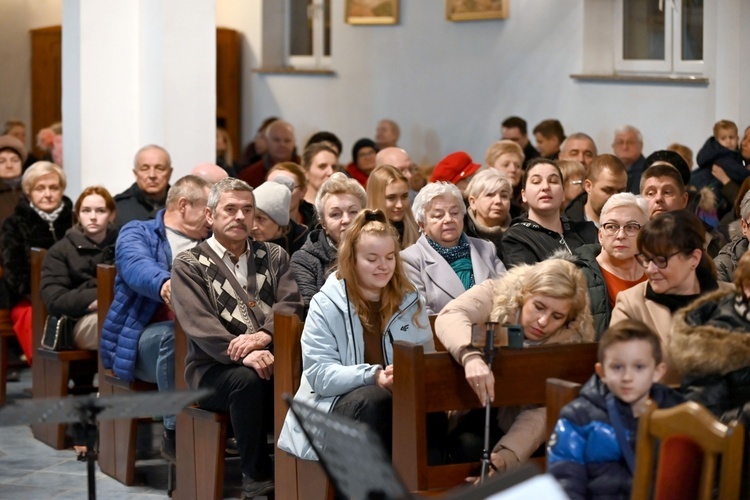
[[623, 78], [289, 70]]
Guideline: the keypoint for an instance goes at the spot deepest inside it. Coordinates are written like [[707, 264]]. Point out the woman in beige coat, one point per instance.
[[671, 247], [549, 300]]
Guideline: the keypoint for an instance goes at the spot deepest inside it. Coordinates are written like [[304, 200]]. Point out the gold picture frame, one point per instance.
[[371, 12], [476, 10]]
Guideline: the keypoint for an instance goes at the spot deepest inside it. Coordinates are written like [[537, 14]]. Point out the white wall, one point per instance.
[[450, 84], [17, 17]]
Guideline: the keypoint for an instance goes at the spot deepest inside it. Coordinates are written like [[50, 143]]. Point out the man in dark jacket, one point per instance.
[[152, 169], [607, 176], [226, 292], [137, 340]]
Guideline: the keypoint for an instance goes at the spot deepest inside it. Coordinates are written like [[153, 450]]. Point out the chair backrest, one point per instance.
[[105, 295], [180, 355], [559, 393], [434, 382], [695, 423], [38, 311]]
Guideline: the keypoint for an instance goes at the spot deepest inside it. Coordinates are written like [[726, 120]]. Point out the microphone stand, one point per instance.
[[489, 356]]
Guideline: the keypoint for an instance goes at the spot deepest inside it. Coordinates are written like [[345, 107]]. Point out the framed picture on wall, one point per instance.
[[372, 11], [475, 10]]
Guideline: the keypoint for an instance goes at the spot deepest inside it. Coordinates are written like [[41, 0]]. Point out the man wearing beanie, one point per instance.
[[272, 221], [225, 292], [12, 156]]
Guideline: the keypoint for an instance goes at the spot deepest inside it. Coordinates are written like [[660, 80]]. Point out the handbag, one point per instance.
[[58, 333]]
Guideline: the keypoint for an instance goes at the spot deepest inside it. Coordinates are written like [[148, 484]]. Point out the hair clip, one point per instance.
[[374, 215]]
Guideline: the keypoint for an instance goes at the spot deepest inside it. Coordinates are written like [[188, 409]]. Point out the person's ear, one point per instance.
[[659, 372], [182, 204], [523, 196], [685, 197], [472, 202], [587, 185], [599, 369], [209, 216]]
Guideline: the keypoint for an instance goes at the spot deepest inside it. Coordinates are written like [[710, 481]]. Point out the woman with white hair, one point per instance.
[[337, 203], [444, 262], [610, 266], [489, 194], [41, 218]]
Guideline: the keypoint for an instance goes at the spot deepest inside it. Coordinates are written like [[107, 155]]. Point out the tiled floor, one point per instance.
[[30, 469]]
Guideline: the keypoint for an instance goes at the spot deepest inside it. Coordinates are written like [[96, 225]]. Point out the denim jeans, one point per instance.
[[155, 360]]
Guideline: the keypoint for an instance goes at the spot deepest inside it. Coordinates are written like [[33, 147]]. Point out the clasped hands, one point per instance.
[[251, 349]]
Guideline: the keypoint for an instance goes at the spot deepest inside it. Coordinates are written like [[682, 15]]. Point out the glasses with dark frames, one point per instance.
[[612, 228], [659, 261]]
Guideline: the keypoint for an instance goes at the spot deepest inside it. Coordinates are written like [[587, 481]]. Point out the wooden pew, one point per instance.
[[6, 332], [295, 479], [50, 370], [117, 438], [201, 439], [435, 382], [558, 393]]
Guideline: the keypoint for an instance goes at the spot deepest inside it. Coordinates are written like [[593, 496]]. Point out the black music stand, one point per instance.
[[84, 411], [356, 462]]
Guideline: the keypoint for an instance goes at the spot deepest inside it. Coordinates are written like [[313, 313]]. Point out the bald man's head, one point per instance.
[[395, 157], [209, 172]]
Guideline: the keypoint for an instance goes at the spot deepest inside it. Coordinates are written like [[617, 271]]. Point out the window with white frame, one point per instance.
[[308, 31], [659, 36]]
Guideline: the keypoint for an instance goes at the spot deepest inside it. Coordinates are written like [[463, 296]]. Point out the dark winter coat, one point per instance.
[[294, 239], [584, 453], [10, 195], [133, 204], [492, 234], [598, 294], [312, 263], [726, 261], [526, 242], [22, 231], [711, 350], [634, 175], [712, 153], [69, 272], [575, 209]]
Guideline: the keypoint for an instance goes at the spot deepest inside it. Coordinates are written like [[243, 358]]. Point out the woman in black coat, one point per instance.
[[68, 284], [41, 218]]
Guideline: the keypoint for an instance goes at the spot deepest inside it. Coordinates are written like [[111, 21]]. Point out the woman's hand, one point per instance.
[[93, 305], [480, 378], [384, 377]]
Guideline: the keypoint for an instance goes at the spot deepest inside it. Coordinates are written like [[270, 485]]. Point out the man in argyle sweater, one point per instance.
[[225, 292]]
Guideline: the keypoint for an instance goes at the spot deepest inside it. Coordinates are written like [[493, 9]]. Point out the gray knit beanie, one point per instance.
[[273, 199]]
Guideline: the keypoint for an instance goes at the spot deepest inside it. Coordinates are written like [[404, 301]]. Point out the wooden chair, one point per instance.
[[295, 479], [433, 382], [694, 422], [6, 332], [117, 438], [201, 440], [558, 394], [50, 370]]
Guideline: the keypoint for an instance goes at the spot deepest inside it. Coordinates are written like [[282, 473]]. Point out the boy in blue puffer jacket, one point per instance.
[[592, 451]]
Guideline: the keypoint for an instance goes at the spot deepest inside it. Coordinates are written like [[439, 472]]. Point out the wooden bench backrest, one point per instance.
[[38, 311], [435, 382], [105, 295]]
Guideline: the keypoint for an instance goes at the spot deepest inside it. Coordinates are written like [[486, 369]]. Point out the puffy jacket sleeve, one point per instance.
[[134, 258], [58, 292], [323, 362], [16, 255], [565, 457], [453, 324], [712, 391], [306, 271], [724, 266]]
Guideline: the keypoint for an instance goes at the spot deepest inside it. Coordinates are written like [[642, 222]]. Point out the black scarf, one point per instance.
[[674, 302]]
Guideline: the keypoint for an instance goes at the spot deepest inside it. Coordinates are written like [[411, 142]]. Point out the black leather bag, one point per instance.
[[58, 333]]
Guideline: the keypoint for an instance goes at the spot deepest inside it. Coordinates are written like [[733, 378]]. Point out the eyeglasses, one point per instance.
[[612, 228], [659, 261]]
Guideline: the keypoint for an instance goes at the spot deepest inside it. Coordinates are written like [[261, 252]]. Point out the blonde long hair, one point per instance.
[[372, 222], [379, 180]]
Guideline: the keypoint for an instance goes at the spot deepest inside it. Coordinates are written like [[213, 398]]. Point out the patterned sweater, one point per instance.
[[213, 308]]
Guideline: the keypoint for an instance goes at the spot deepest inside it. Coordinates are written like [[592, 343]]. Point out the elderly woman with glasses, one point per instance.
[[444, 262], [678, 270], [610, 266]]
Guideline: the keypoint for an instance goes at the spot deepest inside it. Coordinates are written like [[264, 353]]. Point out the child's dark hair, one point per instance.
[[625, 331]]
